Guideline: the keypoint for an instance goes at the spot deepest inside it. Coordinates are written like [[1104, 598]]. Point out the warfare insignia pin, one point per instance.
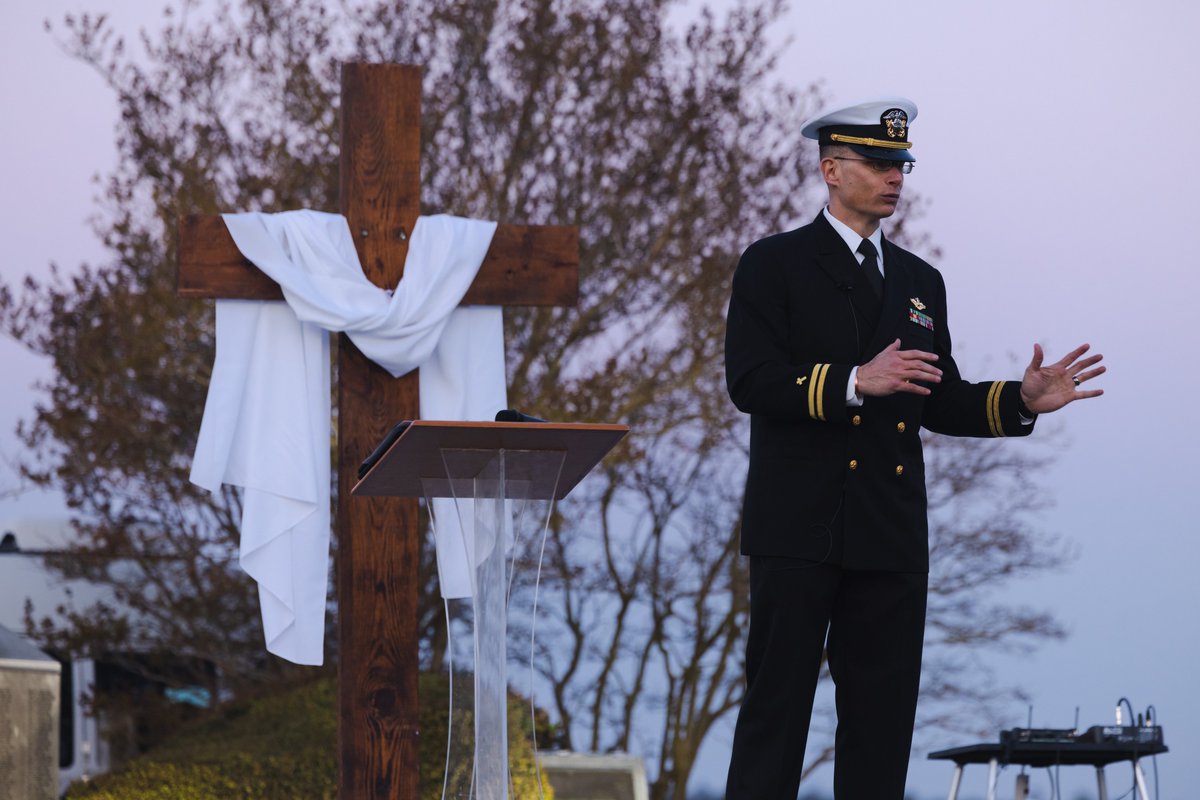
[[916, 301], [896, 122]]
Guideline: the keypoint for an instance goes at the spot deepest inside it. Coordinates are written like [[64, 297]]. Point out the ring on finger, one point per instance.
[[1075, 378]]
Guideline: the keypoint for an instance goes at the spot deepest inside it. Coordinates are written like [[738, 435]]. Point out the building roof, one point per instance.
[[16, 653]]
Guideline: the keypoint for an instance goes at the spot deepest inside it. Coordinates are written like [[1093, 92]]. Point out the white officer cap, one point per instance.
[[875, 128]]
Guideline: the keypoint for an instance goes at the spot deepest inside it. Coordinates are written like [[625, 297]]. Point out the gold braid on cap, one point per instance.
[[868, 141]]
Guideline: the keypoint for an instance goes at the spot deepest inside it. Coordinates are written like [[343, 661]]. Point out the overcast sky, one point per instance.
[[1055, 144]]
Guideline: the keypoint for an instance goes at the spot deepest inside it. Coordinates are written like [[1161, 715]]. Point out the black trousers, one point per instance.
[[872, 624]]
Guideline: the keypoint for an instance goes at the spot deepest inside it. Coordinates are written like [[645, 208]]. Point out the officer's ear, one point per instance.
[[830, 166], [830, 171]]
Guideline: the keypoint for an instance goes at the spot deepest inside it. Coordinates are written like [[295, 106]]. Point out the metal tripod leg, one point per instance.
[[954, 782], [1139, 778]]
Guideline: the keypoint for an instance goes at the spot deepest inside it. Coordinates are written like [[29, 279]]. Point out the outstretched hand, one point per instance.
[[894, 370], [1047, 388]]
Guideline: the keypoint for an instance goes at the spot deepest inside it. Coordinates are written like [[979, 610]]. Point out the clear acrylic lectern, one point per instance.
[[483, 469]]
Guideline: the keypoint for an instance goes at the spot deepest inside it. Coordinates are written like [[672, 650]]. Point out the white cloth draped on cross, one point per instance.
[[266, 425]]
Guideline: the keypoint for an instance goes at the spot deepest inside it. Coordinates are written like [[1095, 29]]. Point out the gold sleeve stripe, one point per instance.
[[816, 401], [812, 388], [993, 408], [821, 392]]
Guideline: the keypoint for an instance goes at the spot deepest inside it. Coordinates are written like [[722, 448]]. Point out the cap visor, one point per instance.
[[882, 153]]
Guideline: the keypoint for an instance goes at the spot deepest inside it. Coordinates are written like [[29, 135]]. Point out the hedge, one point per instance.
[[283, 747]]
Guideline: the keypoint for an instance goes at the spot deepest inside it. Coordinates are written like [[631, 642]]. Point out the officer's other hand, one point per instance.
[[895, 370], [1049, 387]]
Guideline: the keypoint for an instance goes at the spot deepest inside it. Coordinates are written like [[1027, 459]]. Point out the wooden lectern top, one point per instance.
[[543, 460]]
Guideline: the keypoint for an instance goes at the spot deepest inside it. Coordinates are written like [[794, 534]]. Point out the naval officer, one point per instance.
[[837, 347]]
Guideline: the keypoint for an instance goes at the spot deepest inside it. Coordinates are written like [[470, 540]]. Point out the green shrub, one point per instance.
[[283, 747]]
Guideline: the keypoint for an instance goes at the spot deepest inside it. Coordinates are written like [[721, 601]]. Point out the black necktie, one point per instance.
[[870, 265]]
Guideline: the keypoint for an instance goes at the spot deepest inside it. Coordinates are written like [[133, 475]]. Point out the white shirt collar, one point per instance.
[[853, 240]]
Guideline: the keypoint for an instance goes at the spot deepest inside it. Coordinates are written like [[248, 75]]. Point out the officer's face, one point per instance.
[[862, 191]]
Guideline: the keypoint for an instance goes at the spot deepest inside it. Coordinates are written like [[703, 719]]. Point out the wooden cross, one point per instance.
[[378, 538]]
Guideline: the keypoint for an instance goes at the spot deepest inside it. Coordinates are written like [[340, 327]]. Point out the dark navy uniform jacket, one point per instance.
[[800, 317]]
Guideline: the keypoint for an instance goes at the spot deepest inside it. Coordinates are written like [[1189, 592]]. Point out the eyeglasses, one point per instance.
[[879, 165]]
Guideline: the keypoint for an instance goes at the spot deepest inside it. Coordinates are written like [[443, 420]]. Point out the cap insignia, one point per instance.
[[896, 122]]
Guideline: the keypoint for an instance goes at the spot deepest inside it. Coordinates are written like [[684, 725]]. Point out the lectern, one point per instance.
[[484, 467]]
